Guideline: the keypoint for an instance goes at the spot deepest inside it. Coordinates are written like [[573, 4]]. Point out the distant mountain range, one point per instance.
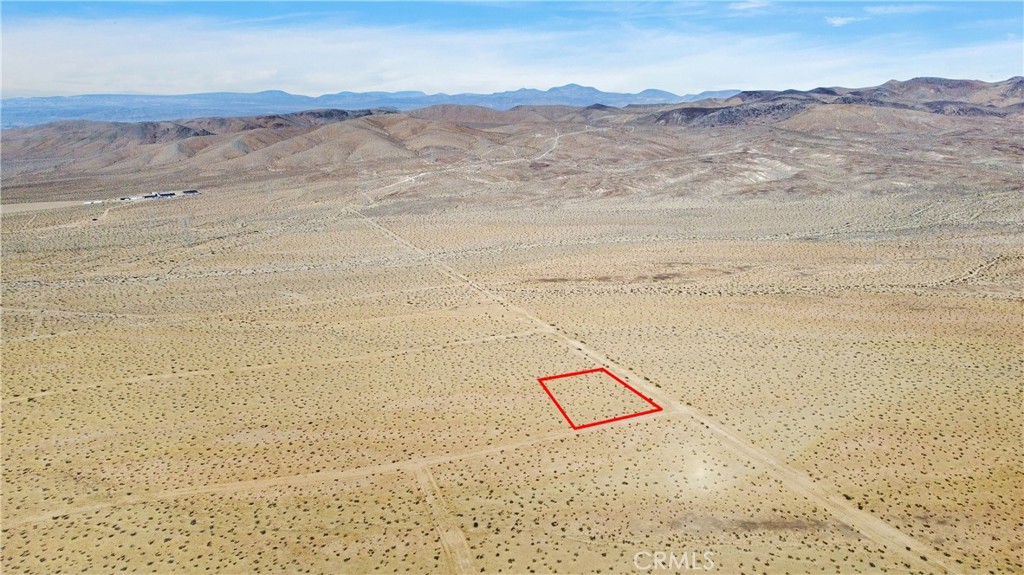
[[20, 112]]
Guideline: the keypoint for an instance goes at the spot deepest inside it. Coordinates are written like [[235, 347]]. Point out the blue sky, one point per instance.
[[60, 48]]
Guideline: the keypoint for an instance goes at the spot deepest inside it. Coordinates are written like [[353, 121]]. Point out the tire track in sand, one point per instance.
[[452, 538]]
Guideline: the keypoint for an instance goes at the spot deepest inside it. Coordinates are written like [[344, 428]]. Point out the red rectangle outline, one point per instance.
[[561, 410]]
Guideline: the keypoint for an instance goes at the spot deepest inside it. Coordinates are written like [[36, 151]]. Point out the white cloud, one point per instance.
[[838, 21], [881, 10], [186, 55], [908, 8], [749, 5]]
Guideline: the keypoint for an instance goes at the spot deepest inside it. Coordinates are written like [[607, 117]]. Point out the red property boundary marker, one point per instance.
[[656, 407]]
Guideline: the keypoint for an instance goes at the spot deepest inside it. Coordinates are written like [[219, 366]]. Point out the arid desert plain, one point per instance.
[[327, 361]]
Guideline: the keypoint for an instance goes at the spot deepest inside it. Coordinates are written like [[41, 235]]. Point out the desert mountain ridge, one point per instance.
[[20, 112], [929, 95], [647, 150]]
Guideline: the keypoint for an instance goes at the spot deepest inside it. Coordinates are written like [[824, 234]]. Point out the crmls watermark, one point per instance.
[[665, 561]]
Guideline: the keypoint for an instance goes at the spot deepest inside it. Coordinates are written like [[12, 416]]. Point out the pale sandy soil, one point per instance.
[[281, 376], [33, 206]]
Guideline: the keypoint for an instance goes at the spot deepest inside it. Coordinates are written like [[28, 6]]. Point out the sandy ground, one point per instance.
[[295, 376], [34, 206]]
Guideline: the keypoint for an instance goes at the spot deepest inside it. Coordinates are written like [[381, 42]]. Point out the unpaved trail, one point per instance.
[[973, 272], [273, 365], [452, 539], [555, 140], [302, 479], [798, 481], [36, 336], [869, 525], [29, 222]]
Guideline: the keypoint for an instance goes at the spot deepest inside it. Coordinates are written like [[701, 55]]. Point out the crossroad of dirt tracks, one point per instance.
[[452, 539]]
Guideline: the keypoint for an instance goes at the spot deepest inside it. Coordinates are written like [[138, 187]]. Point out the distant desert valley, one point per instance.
[[328, 360]]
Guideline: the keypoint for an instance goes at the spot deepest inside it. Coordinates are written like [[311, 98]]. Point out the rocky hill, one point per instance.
[[930, 95]]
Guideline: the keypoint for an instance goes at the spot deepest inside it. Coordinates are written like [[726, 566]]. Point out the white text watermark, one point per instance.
[[674, 561]]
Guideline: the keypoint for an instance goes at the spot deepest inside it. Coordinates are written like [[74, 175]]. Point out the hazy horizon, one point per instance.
[[343, 91], [176, 48]]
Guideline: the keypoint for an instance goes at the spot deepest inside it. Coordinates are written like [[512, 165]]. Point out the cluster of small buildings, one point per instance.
[[155, 195]]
